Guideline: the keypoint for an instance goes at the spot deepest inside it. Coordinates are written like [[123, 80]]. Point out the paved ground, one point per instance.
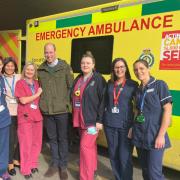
[[104, 169]]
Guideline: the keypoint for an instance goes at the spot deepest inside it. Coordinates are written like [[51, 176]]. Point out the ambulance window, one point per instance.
[[101, 48]]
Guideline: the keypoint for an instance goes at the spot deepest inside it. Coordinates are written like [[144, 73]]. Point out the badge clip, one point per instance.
[[77, 93]]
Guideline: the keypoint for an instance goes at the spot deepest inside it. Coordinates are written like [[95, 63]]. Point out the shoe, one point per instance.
[[63, 174], [28, 176], [12, 172], [5, 176], [18, 166], [51, 171], [16, 163], [34, 170]]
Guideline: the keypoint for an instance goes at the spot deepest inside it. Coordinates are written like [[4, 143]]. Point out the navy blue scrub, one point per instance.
[[116, 126], [145, 133], [5, 121]]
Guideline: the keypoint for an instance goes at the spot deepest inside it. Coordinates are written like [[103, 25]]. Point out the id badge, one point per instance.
[[77, 93], [77, 104], [91, 130], [33, 106], [115, 110], [12, 101], [140, 118], [2, 108]]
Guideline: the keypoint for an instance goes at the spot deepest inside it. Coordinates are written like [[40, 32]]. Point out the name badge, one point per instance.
[[12, 101], [115, 110], [33, 106], [77, 104], [150, 90], [2, 108]]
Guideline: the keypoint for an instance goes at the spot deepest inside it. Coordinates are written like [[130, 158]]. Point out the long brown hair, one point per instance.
[[113, 75]]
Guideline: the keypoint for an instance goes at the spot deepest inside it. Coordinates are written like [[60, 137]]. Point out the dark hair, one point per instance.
[[8, 60], [89, 54], [141, 61], [113, 75]]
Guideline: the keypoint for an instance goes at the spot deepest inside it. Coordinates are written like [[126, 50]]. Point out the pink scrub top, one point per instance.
[[78, 120], [25, 111]]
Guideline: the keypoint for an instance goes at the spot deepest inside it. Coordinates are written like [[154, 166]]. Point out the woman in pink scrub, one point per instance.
[[88, 108], [29, 120]]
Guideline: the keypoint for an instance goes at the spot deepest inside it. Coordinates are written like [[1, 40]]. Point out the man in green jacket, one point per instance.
[[56, 78]]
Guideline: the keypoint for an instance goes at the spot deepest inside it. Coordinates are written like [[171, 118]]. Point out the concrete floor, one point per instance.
[[104, 168]]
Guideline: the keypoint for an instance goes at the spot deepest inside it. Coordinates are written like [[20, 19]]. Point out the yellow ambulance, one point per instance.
[[130, 29]]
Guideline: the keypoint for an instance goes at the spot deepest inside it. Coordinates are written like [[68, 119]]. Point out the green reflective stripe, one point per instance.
[[176, 102], [160, 7], [74, 21]]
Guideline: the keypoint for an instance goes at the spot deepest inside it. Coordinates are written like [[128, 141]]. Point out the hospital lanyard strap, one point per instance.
[[83, 82], [142, 101], [118, 93], [10, 87], [32, 87]]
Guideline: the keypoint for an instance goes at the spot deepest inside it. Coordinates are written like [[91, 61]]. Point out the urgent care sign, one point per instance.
[[170, 51]]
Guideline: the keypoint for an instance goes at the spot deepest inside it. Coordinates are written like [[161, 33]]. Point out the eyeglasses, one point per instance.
[[119, 67]]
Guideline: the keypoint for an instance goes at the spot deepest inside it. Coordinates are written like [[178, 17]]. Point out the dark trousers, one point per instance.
[[4, 149], [120, 153], [151, 163], [13, 141], [56, 127]]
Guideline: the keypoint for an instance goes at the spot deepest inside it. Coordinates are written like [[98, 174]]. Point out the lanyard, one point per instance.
[[141, 101], [11, 87], [32, 87], [116, 97], [83, 82]]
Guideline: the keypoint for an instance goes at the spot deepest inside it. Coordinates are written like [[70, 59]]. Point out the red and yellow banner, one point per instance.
[[170, 50], [10, 45]]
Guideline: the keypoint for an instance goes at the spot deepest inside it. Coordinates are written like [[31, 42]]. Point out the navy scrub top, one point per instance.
[[5, 119], [124, 118], [157, 95]]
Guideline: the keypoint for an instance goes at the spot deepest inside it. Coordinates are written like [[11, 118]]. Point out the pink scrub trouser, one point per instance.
[[30, 141], [88, 155]]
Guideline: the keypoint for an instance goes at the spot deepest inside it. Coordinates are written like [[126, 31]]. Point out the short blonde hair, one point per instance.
[[50, 44], [25, 67]]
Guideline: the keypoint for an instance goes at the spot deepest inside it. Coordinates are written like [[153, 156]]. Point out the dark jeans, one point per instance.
[[13, 141], [151, 163], [56, 127]]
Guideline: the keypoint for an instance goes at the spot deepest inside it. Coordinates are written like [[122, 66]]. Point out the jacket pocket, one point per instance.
[[59, 106], [43, 105]]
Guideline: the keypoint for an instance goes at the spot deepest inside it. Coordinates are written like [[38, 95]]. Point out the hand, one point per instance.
[[99, 126], [160, 142], [39, 91], [130, 133]]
